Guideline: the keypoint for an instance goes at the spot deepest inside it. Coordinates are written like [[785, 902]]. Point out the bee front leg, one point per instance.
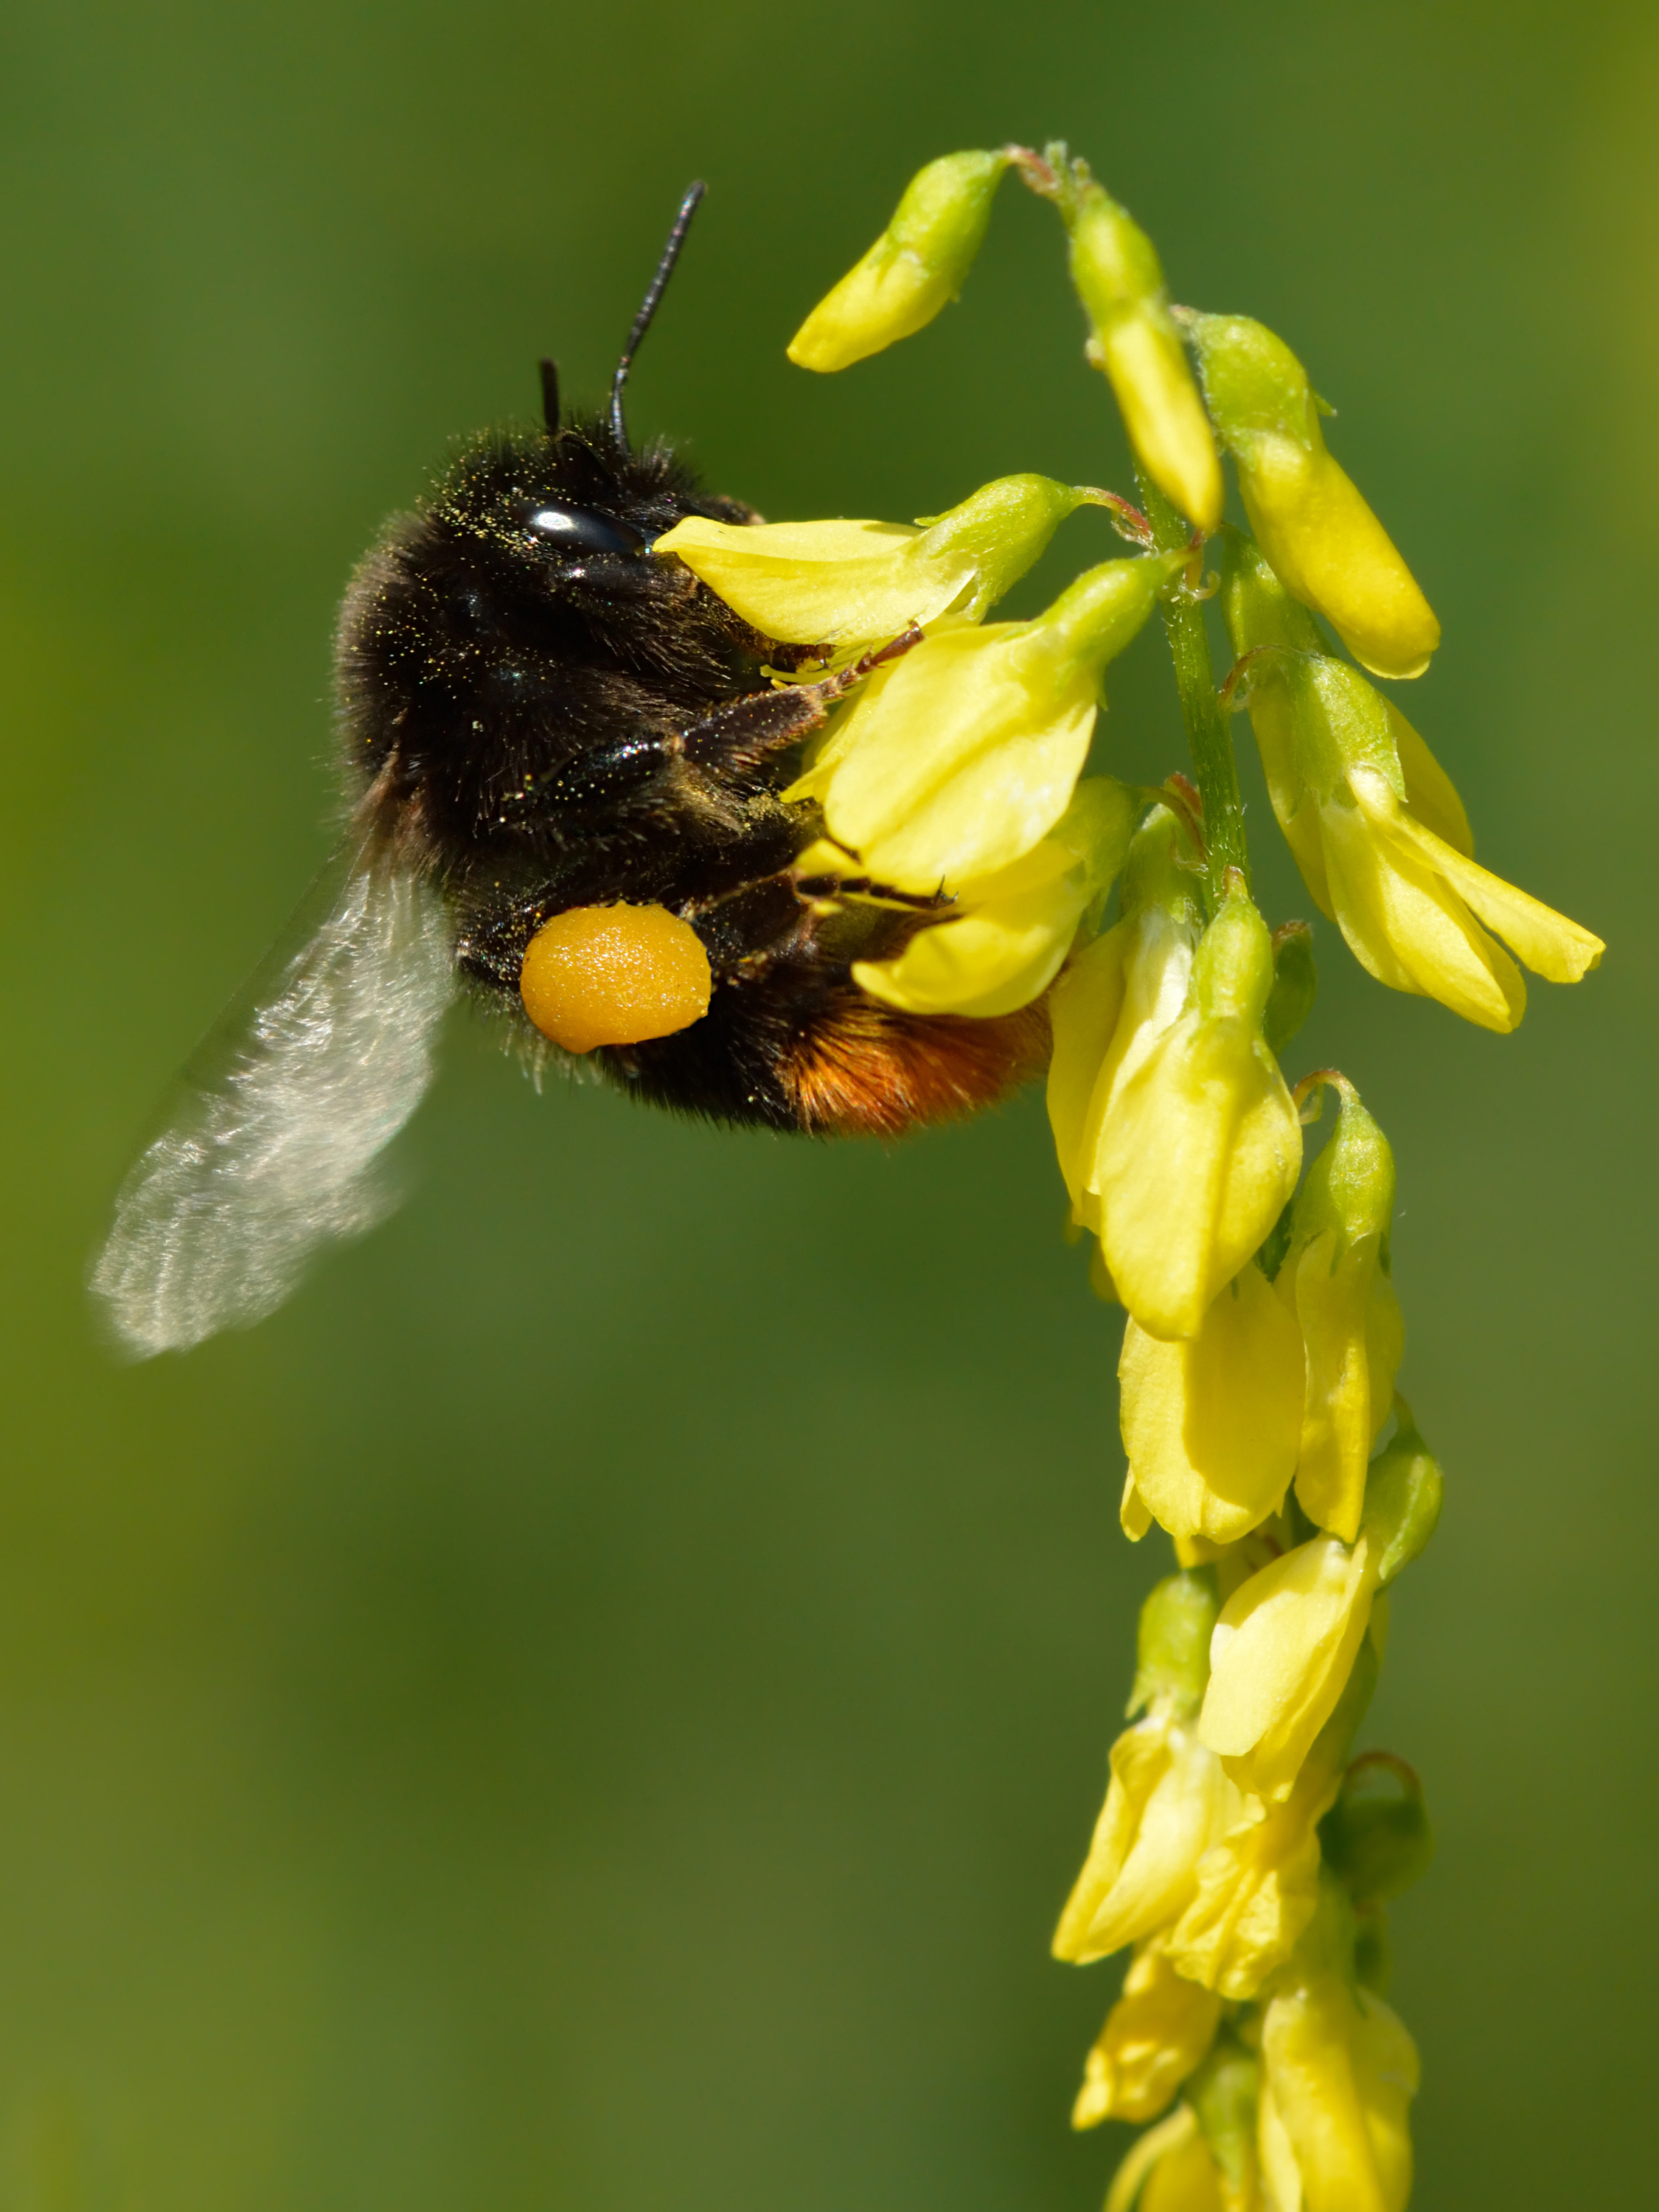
[[742, 737]]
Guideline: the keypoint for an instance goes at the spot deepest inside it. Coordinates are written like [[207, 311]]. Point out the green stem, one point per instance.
[[1208, 734]]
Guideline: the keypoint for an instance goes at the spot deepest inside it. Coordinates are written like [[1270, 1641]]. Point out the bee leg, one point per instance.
[[749, 732]]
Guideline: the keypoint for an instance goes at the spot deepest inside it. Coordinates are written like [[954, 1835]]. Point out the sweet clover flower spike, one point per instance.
[[1241, 1850], [1335, 1280], [1114, 268], [914, 269], [1015, 928], [1323, 540], [1156, 2033], [1169, 1800], [849, 584], [1377, 829], [952, 762], [1212, 1422], [1199, 1146]]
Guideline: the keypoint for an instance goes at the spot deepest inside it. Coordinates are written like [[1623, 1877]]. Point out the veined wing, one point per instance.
[[274, 1146]]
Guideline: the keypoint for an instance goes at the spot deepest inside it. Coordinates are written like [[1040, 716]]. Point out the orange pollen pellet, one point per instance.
[[614, 974]]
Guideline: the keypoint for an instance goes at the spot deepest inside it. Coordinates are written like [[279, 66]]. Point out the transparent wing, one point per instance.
[[274, 1146]]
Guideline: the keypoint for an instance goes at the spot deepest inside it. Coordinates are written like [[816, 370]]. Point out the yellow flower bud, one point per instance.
[[1334, 1279], [1116, 270], [1168, 1803], [1339, 2072], [1015, 928], [1211, 1422], [953, 762], [1378, 829], [1155, 2034], [1280, 1659], [914, 269], [844, 584], [1200, 1147], [1319, 536]]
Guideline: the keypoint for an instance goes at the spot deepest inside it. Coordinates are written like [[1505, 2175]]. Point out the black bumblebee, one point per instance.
[[538, 714]]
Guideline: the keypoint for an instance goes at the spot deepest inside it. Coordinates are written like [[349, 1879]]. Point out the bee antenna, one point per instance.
[[670, 254], [551, 397]]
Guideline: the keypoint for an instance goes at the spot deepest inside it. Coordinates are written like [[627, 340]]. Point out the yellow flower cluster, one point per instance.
[[1242, 1857]]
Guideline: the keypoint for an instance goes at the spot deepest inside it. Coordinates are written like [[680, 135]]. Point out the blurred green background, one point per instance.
[[599, 1702]]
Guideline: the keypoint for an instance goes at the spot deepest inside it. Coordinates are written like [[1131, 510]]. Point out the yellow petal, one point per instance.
[[914, 269], [1322, 537], [1155, 2035], [1387, 2074], [1198, 1152], [1332, 1295], [1272, 723], [1169, 2139], [1133, 1517], [952, 767], [1310, 2039], [1211, 1423], [1256, 1890], [1017, 926], [1168, 1803], [1082, 1015], [1186, 2180], [1551, 945], [1429, 792], [1279, 1660], [811, 583], [1405, 923], [1143, 358]]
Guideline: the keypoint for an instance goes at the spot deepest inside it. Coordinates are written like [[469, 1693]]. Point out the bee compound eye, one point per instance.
[[614, 974], [579, 529]]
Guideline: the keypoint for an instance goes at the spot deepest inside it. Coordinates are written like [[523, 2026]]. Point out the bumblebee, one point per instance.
[[547, 731]]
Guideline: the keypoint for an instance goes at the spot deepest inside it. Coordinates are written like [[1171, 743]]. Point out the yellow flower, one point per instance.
[[914, 269], [1115, 267], [1281, 1658], [1168, 1803], [1211, 1422], [1170, 2169], [1258, 1888], [1169, 1800], [1155, 2034], [1334, 1279], [1199, 1147], [1321, 538], [1012, 929], [955, 761], [1378, 831], [1115, 999], [1339, 2072], [1286, 1641], [847, 584]]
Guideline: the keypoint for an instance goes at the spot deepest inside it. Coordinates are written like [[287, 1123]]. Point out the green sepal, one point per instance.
[[1404, 1487], [1349, 1190], [1172, 1643], [1256, 606], [1226, 2095], [1377, 1838], [1296, 985]]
